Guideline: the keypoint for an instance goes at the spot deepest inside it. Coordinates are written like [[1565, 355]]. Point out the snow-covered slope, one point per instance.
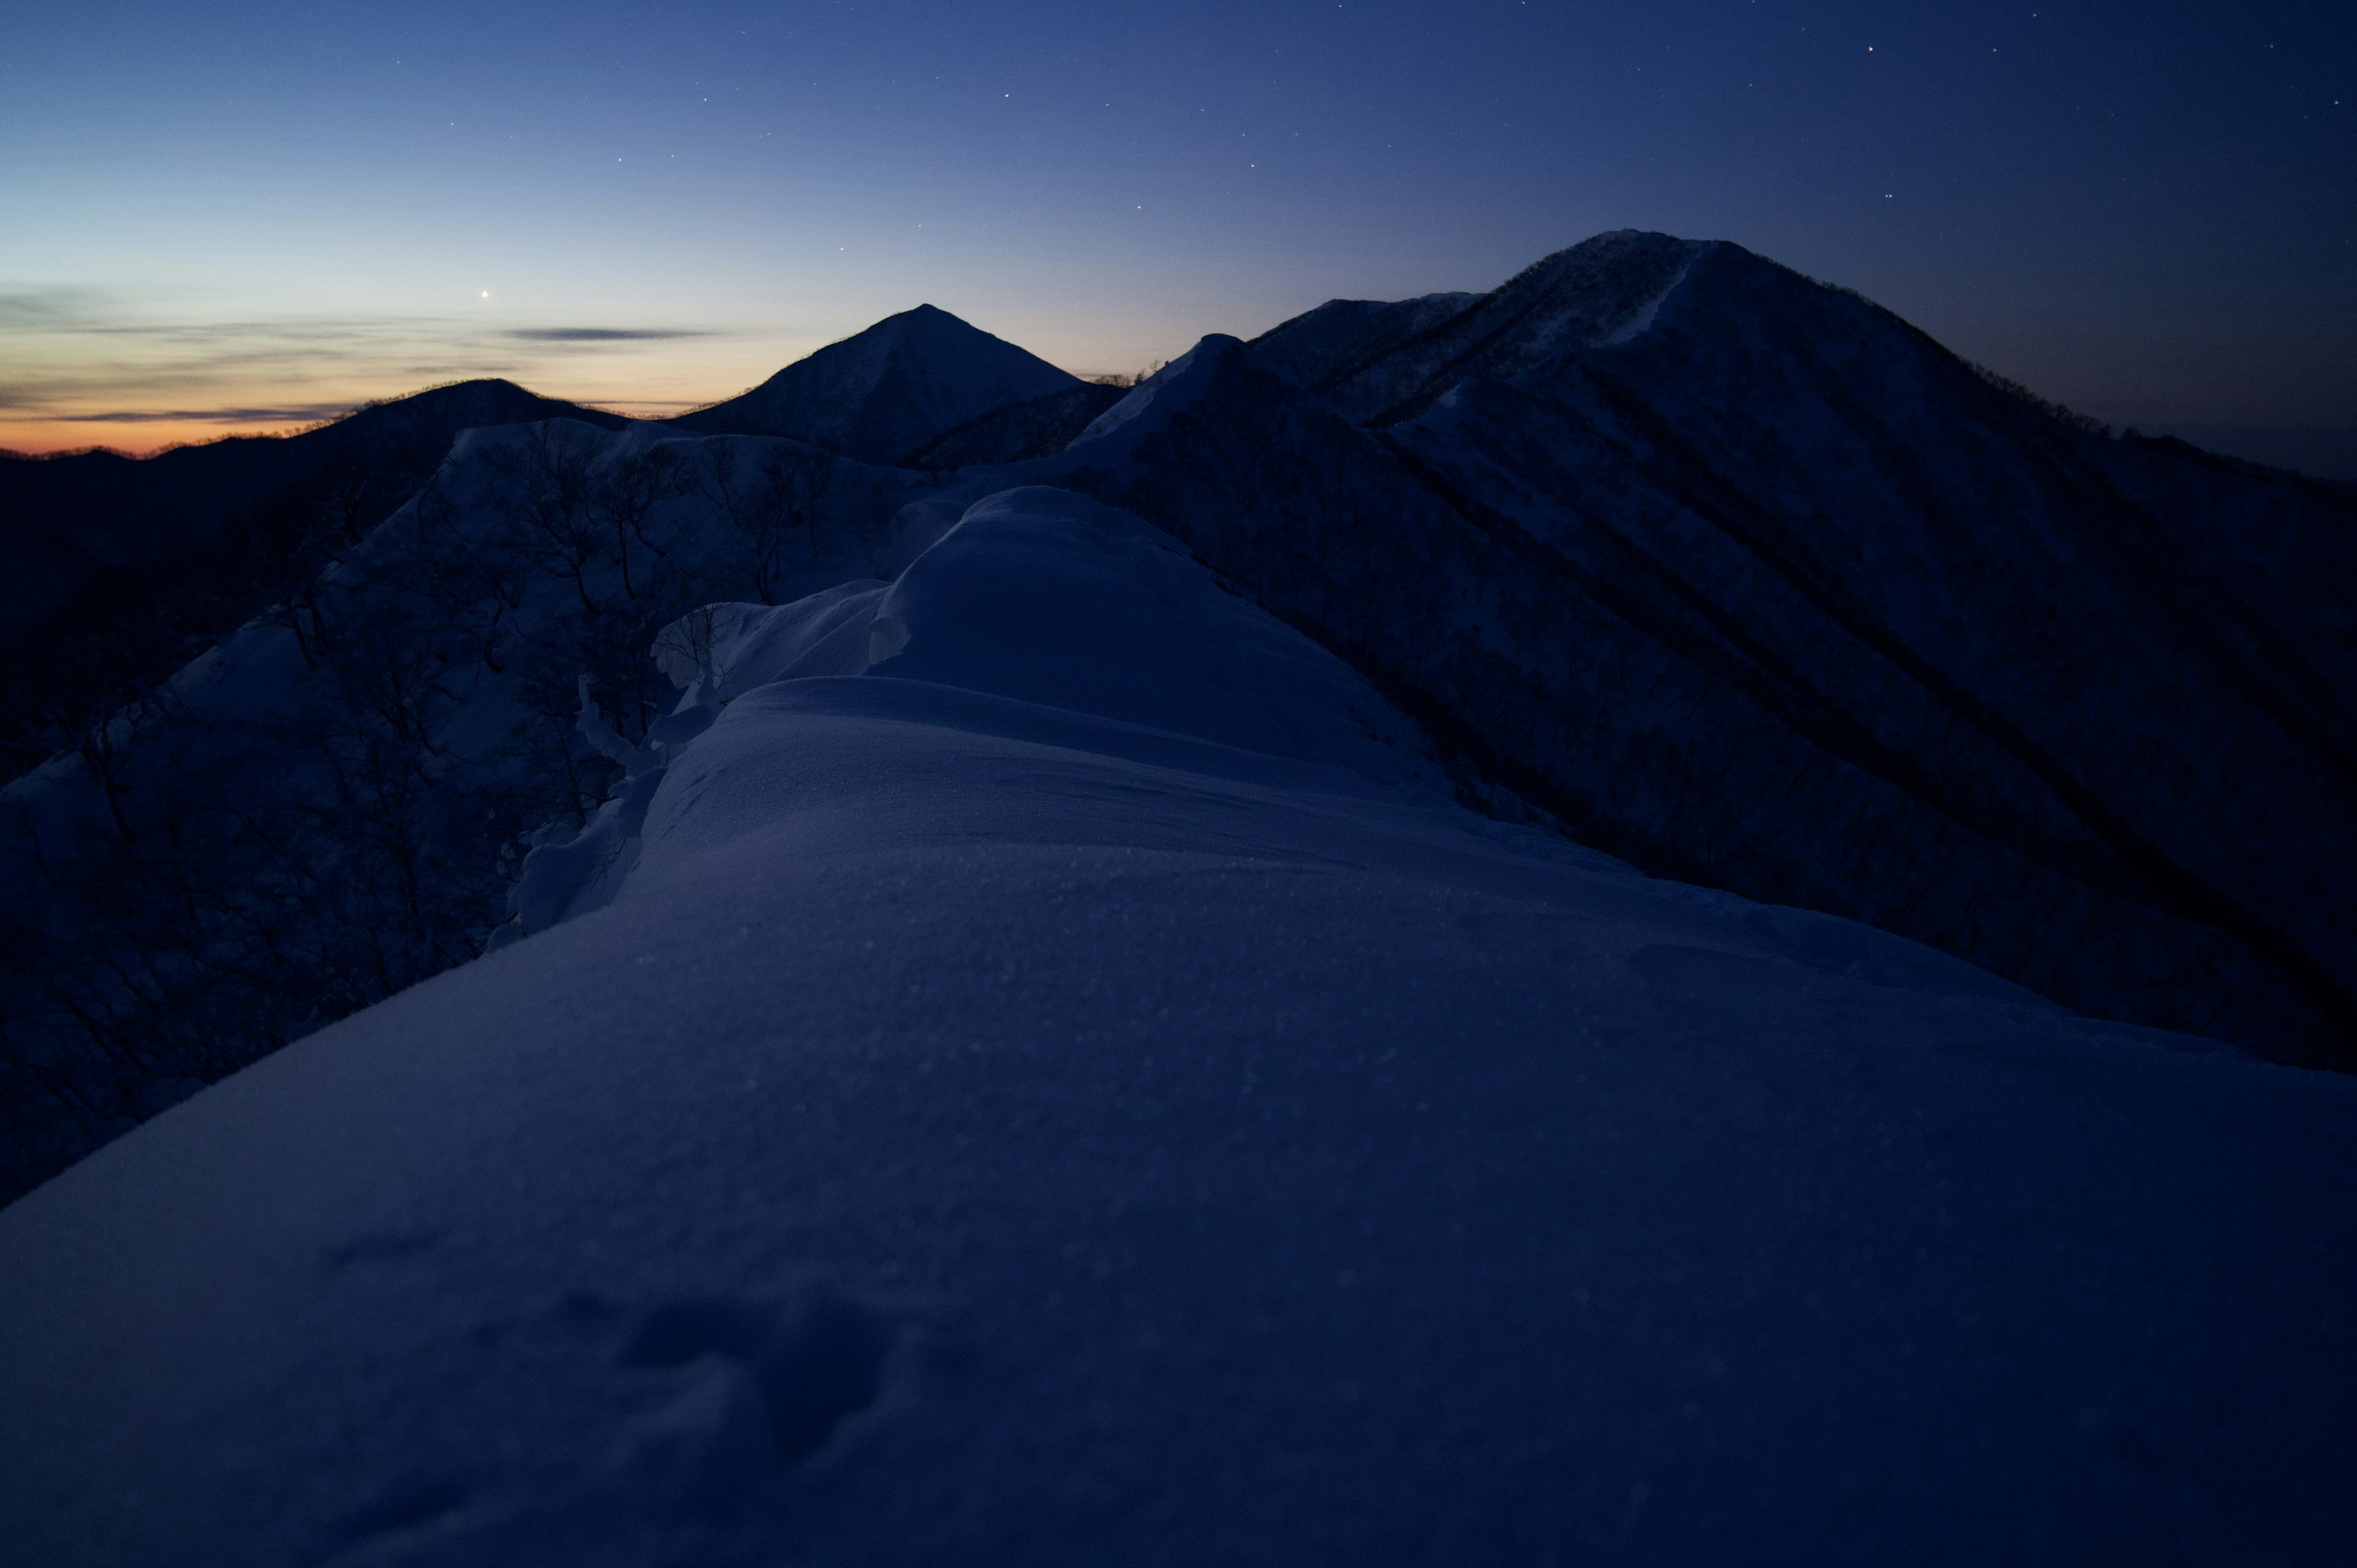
[[1036, 595], [886, 395], [1382, 363], [1321, 347], [1757, 586], [1012, 1115], [314, 813], [118, 567], [126, 511]]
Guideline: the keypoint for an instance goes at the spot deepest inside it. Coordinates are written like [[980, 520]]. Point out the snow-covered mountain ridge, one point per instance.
[[1008, 1113], [1733, 573], [1049, 602], [1776, 595], [120, 568], [324, 807]]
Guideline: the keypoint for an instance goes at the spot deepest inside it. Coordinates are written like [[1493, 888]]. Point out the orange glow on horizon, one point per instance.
[[133, 438], [40, 438]]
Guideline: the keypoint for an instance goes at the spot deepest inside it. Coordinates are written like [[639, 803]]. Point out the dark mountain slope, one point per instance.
[[1038, 428], [122, 569], [113, 512], [1321, 349], [322, 807], [1759, 586], [1379, 365], [886, 394], [208, 878]]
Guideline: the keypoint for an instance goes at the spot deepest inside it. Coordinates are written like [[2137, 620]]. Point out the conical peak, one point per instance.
[[886, 390], [1632, 258], [928, 319], [925, 329]]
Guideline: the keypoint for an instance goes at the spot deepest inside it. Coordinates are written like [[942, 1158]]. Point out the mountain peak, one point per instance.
[[1380, 363], [887, 393]]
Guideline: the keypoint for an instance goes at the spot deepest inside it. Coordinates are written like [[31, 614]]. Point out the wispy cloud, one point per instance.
[[81, 356], [302, 414], [100, 313], [600, 335], [76, 361], [51, 309]]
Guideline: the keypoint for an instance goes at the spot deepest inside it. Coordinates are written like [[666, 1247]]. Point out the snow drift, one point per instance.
[[1062, 1082]]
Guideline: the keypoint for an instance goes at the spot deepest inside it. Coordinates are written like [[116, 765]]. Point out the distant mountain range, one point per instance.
[[122, 569], [141, 561], [85, 520], [1726, 572]]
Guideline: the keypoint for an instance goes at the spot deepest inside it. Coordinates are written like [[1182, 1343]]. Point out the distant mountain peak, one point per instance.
[[925, 319], [886, 394]]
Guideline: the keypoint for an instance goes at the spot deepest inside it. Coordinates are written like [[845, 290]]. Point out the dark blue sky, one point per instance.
[[235, 216]]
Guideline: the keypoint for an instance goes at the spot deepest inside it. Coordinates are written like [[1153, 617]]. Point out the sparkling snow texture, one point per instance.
[[1062, 1082]]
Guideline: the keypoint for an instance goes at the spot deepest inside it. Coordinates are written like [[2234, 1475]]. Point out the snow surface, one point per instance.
[[1075, 1090]]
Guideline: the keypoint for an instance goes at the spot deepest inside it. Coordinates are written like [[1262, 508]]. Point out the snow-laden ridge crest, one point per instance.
[[1033, 1056], [1034, 1032], [1042, 600]]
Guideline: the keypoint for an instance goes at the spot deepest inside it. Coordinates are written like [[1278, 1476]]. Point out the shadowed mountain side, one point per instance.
[[108, 512], [1039, 429], [1318, 348], [1758, 587], [2326, 452], [887, 393], [1380, 363], [122, 569], [322, 808]]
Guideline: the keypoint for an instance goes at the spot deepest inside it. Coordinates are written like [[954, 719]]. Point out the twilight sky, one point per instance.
[[250, 216]]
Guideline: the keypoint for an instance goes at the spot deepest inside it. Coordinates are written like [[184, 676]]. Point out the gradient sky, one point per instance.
[[248, 216]]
